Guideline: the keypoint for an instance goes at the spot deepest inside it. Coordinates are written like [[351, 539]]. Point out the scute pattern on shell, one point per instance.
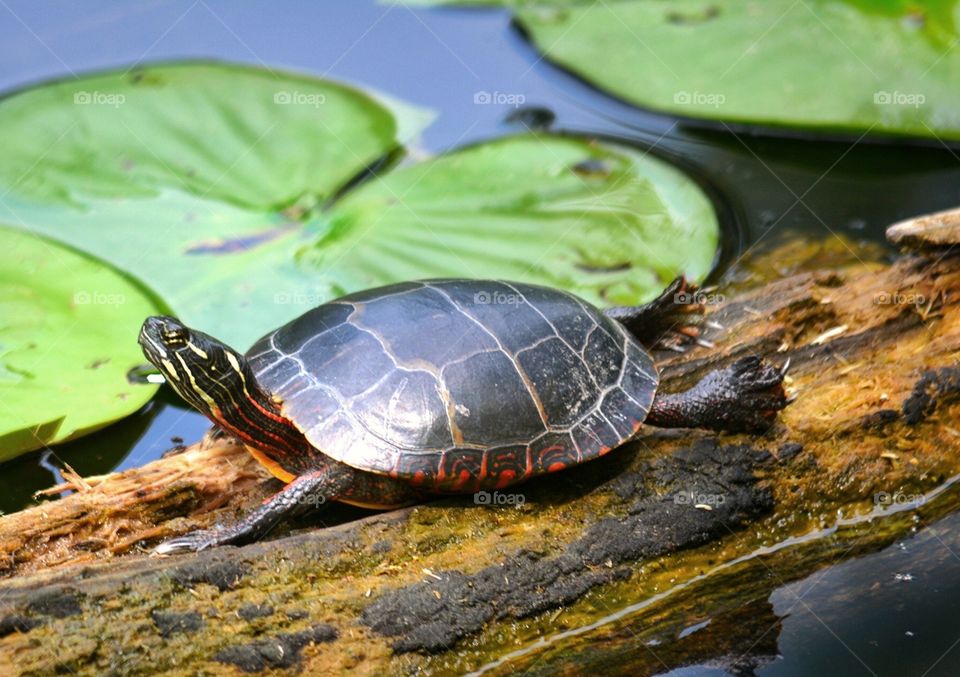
[[458, 385]]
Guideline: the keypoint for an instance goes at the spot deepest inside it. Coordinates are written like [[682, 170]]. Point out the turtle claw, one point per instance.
[[743, 397], [195, 541]]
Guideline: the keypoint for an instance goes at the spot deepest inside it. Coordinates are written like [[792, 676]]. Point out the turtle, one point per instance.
[[384, 397]]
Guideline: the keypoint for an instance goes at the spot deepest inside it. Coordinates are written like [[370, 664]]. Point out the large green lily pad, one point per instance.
[[68, 327], [199, 179], [245, 136], [847, 66], [608, 223], [240, 256]]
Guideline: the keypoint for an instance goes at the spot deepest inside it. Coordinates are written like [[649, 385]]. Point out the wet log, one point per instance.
[[675, 523]]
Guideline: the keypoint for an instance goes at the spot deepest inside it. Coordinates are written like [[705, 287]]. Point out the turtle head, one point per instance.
[[207, 373], [219, 382]]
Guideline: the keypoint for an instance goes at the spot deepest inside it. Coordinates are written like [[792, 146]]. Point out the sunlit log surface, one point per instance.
[[685, 524]]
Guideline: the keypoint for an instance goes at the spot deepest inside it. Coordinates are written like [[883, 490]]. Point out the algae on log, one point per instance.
[[453, 586]]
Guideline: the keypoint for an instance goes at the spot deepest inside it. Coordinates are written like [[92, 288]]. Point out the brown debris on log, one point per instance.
[[111, 514]]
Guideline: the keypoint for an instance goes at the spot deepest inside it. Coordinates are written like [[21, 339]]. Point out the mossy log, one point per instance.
[[677, 523]]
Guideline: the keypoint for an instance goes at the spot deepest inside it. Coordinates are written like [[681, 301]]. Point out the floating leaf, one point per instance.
[[848, 66], [606, 222], [248, 137], [241, 255], [199, 179], [68, 327]]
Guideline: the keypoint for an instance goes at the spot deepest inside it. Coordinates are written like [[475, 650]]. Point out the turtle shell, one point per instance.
[[458, 385]]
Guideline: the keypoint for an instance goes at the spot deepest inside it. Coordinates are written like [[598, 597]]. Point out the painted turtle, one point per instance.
[[442, 386]]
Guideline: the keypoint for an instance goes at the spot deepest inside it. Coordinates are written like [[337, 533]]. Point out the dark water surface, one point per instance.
[[890, 613], [765, 188]]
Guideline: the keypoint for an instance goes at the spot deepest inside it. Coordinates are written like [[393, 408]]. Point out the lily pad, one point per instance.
[[845, 66], [199, 179], [249, 137], [606, 222], [68, 327], [238, 258]]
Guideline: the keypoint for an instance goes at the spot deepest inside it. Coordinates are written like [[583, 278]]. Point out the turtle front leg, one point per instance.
[[302, 494], [745, 396]]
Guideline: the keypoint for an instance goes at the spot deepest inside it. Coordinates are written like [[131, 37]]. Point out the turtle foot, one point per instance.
[[747, 395], [672, 321], [744, 397], [682, 317]]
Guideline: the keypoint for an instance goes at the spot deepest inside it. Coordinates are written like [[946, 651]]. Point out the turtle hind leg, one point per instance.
[[299, 496], [745, 396], [671, 321]]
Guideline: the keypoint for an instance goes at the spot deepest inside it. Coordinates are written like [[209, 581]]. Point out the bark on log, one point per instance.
[[451, 586]]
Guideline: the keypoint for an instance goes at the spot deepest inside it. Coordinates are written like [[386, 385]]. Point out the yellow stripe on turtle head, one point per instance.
[[197, 350], [171, 372], [197, 389], [232, 359]]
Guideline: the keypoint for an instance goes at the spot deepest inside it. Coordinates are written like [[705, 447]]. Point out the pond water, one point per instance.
[[893, 612], [765, 187], [878, 611]]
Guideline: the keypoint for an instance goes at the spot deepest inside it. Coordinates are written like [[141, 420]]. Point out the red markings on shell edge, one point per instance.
[[461, 482], [418, 478], [556, 466], [505, 479]]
